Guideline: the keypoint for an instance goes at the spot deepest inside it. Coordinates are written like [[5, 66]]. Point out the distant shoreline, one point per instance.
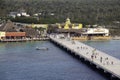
[[115, 37]]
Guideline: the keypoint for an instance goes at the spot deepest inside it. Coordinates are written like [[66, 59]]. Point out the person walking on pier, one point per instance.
[[92, 56], [73, 42], [112, 62], [101, 59], [77, 47]]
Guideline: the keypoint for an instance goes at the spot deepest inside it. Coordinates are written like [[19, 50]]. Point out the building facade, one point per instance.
[[15, 35], [2, 35]]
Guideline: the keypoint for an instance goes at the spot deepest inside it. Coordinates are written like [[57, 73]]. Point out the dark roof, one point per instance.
[[2, 26], [30, 32], [8, 27]]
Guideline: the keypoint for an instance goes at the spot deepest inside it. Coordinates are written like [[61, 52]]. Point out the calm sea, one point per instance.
[[21, 61], [111, 47]]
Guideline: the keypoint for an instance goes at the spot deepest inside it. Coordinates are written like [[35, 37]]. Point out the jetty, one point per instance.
[[96, 58]]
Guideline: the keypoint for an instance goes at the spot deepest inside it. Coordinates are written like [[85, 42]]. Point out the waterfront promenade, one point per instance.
[[22, 40], [100, 59]]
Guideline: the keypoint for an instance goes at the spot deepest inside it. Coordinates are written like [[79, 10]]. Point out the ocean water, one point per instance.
[[111, 47], [21, 61]]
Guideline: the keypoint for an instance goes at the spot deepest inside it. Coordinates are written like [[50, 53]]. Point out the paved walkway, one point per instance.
[[102, 60]]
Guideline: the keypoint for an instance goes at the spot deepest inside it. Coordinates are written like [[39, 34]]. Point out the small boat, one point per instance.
[[41, 48]]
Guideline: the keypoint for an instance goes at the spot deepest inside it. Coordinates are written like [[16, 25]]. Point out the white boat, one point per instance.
[[41, 48]]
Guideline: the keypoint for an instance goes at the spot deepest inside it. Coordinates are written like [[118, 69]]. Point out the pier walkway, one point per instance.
[[100, 59]]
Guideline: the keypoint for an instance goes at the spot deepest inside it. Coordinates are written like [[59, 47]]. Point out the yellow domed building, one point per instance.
[[73, 29], [77, 32], [68, 25]]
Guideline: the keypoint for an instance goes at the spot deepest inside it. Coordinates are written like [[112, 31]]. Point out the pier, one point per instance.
[[94, 57]]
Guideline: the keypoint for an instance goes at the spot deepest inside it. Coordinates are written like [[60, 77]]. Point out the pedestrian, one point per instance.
[[73, 42], [92, 57], [106, 58], [86, 52], [112, 62], [81, 47], [101, 59], [95, 56], [107, 62]]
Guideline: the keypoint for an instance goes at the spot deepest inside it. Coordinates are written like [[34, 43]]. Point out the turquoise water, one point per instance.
[[111, 47], [21, 61]]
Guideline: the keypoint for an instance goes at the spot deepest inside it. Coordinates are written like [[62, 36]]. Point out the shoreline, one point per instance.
[[45, 39], [115, 37], [24, 40]]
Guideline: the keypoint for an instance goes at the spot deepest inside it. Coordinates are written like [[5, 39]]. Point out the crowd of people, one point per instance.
[[95, 55]]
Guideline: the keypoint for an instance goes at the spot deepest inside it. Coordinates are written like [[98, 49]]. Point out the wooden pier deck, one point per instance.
[[100, 59]]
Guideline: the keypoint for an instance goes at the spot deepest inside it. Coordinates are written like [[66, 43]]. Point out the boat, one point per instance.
[[95, 33], [41, 48]]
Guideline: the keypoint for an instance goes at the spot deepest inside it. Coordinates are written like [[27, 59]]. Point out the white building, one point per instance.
[[13, 14], [25, 14], [18, 14], [96, 31]]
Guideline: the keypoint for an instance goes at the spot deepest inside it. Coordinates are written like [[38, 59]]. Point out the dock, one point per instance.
[[99, 59], [23, 40]]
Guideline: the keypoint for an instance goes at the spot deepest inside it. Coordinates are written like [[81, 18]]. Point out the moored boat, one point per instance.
[[41, 48]]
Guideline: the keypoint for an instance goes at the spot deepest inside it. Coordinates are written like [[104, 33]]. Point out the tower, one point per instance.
[[67, 23]]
